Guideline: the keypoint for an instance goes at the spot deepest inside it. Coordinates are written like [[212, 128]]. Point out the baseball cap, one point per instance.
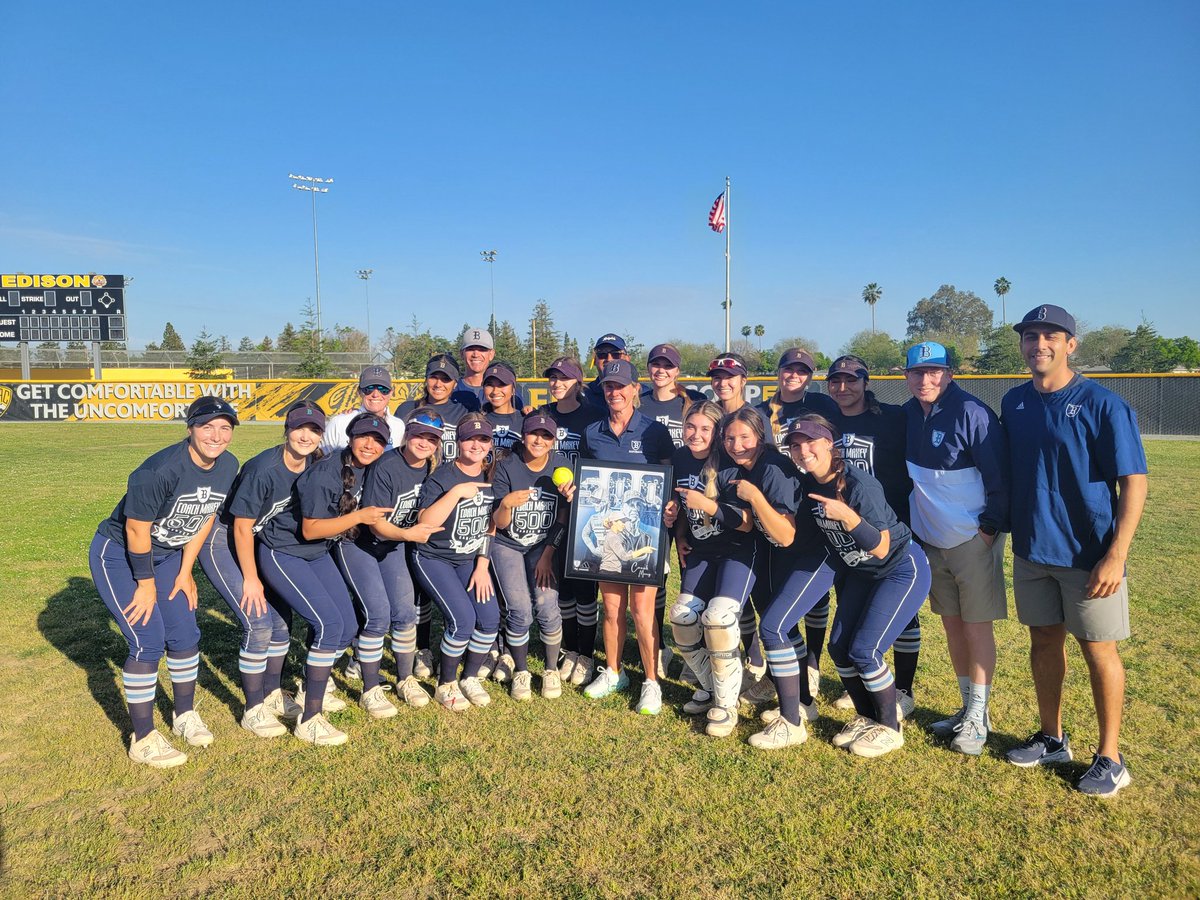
[[422, 421], [667, 352], [1047, 315], [539, 422], [610, 340], [477, 337], [373, 375], [619, 371], [807, 428], [473, 428], [797, 356], [729, 364], [205, 409], [848, 365], [443, 363], [304, 413], [501, 373], [927, 353], [566, 367], [367, 423]]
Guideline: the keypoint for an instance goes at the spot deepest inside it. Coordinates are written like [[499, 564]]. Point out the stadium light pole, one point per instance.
[[365, 275], [489, 256], [314, 186]]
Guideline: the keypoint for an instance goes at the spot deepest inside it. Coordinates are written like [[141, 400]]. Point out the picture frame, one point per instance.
[[616, 531]]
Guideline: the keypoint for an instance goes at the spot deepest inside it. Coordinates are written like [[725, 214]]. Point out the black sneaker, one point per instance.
[[1041, 750], [1104, 778]]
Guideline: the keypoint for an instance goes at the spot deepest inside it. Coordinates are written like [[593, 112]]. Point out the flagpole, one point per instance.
[[728, 228]]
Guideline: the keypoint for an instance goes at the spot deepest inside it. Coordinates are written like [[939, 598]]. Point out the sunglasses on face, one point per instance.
[[373, 388], [602, 356]]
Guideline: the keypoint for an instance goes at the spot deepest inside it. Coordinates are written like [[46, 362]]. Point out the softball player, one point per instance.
[[573, 413], [499, 385], [529, 520], [294, 560], [263, 488], [453, 568], [792, 398], [141, 561], [883, 577]]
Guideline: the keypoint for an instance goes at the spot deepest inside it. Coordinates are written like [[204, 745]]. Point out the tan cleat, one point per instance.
[[876, 741], [260, 721], [192, 729], [779, 734], [317, 730], [155, 750]]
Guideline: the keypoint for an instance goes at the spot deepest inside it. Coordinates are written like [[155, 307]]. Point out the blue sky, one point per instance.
[[906, 144]]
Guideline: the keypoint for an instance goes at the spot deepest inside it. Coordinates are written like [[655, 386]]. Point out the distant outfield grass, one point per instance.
[[565, 798]]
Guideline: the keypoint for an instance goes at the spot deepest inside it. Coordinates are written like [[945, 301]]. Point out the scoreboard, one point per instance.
[[62, 308]]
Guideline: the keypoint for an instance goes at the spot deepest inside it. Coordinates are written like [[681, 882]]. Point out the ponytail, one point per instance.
[[348, 503]]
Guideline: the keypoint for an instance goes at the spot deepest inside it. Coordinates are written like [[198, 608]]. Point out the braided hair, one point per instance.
[[348, 502]]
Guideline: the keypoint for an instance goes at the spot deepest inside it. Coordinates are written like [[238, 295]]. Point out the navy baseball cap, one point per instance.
[[422, 421], [473, 428], [368, 423], [443, 363], [729, 364], [848, 365], [566, 367], [610, 340], [539, 422], [927, 354], [1054, 316], [809, 429], [619, 371], [477, 337], [204, 409], [501, 373], [797, 356], [375, 375], [667, 352], [304, 413]]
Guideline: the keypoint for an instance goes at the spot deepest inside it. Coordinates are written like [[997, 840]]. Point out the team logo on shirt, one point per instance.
[[187, 517], [532, 520], [471, 523], [276, 508], [937, 437], [700, 531], [859, 451], [404, 513], [1073, 409], [844, 545], [635, 446]]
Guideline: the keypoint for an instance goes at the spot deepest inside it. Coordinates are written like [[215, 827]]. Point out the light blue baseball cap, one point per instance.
[[927, 353]]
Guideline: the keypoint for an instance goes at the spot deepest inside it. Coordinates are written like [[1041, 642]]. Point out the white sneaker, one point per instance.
[[522, 686], [155, 750], [582, 673], [687, 676], [262, 722], [759, 692], [282, 704], [905, 704], [506, 667], [451, 696], [353, 671], [665, 655], [412, 693], [473, 690], [721, 722], [331, 704], [808, 713], [876, 741], [753, 673], [317, 730], [853, 730], [489, 663], [844, 701], [700, 703], [779, 734], [814, 681], [551, 684], [423, 664], [192, 729], [650, 703], [376, 704], [567, 665]]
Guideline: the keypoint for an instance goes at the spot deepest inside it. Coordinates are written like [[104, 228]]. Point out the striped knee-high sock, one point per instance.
[[570, 624], [552, 645], [477, 648], [882, 686], [253, 668], [748, 626], [140, 681], [404, 649], [316, 675], [816, 622], [370, 656], [424, 622], [183, 666], [452, 653], [905, 653], [587, 616], [276, 657], [863, 704], [785, 672], [518, 646]]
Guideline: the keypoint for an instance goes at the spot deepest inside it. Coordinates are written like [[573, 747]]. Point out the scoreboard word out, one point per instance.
[[62, 308]]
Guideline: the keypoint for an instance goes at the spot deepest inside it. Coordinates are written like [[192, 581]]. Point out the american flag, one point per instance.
[[716, 216]]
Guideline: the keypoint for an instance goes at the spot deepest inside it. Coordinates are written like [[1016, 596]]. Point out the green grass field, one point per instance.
[[567, 798]]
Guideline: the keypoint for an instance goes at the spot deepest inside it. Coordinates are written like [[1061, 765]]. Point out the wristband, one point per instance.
[[141, 564], [866, 535], [557, 532], [484, 547]]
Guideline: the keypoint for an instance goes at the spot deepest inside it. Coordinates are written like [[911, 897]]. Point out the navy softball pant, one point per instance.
[[800, 581], [470, 625], [172, 626], [218, 559], [362, 573], [513, 573], [732, 574], [314, 589]]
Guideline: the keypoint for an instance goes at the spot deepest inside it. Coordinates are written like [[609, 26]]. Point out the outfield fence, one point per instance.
[[1166, 405]]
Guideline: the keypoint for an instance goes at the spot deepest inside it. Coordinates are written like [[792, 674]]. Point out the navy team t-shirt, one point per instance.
[[392, 483], [449, 412], [506, 429], [865, 496], [667, 412], [463, 531], [174, 494], [317, 494], [786, 413], [875, 443], [533, 519], [710, 537], [572, 425]]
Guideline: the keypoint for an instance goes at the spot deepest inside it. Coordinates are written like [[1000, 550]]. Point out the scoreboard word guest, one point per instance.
[[62, 308]]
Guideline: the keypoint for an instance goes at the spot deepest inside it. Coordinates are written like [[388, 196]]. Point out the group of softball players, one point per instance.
[[454, 502]]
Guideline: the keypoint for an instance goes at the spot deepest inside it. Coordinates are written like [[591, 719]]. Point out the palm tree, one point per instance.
[[759, 331], [1002, 285], [745, 331], [871, 294]]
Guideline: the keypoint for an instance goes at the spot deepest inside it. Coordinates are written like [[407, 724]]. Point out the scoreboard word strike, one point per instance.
[[62, 308]]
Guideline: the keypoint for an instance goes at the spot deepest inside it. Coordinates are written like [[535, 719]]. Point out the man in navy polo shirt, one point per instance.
[[1078, 490]]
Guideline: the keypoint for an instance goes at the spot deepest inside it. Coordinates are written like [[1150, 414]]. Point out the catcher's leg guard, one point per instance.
[[689, 637], [722, 635]]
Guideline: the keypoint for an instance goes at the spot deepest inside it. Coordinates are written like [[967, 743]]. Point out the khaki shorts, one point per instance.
[[968, 580], [1054, 595]]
